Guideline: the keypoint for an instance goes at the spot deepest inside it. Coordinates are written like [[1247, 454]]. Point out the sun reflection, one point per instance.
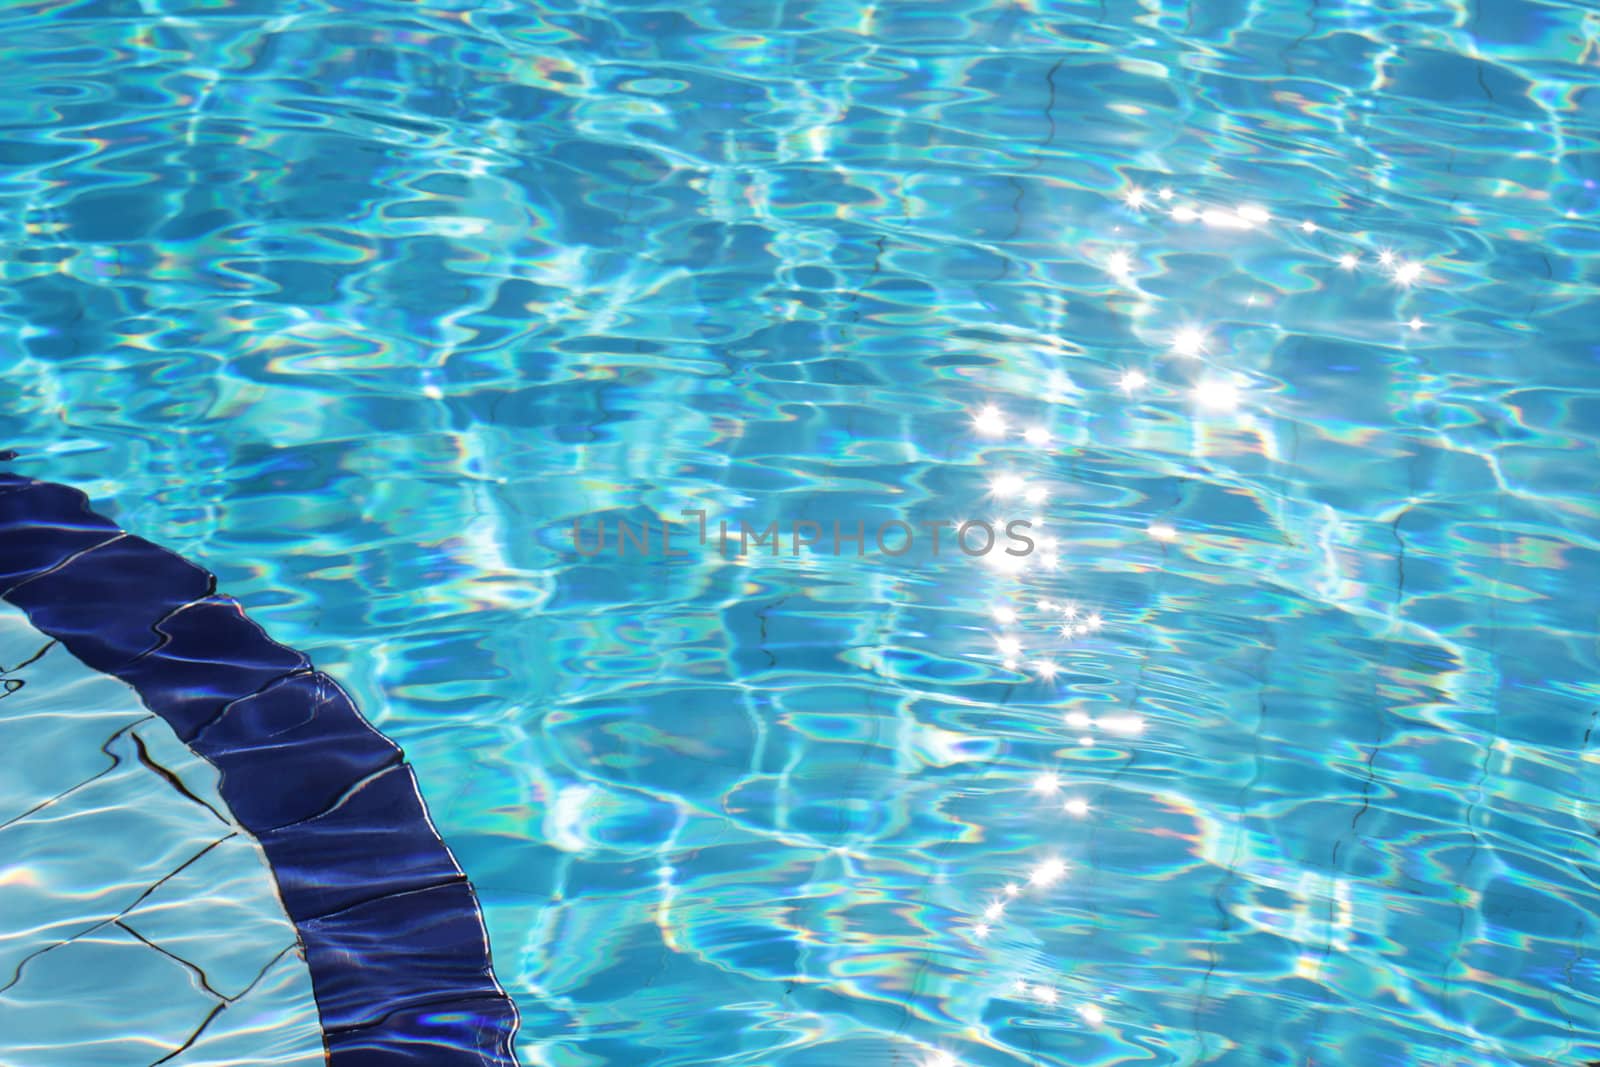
[[1194, 393], [990, 422], [1126, 725], [1222, 219], [1189, 341], [1217, 395], [1006, 486], [1048, 873]]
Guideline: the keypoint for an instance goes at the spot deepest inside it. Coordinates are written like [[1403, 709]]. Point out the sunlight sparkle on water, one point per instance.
[[1048, 873], [1217, 396], [1189, 341], [1006, 486], [1223, 219], [1126, 725], [989, 422], [1007, 564]]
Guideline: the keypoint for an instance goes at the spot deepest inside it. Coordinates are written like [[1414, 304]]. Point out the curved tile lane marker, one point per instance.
[[393, 937]]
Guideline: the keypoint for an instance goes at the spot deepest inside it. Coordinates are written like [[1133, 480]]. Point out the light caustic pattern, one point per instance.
[[1277, 317]]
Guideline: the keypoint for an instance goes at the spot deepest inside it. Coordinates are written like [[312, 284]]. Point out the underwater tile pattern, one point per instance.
[[1277, 317], [129, 893], [387, 927]]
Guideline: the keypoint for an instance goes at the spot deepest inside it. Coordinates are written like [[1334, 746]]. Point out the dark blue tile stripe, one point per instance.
[[392, 932]]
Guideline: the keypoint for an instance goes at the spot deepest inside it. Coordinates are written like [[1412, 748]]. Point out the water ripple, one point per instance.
[[1274, 320]]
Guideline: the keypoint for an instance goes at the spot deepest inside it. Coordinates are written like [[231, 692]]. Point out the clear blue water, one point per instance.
[[1276, 319]]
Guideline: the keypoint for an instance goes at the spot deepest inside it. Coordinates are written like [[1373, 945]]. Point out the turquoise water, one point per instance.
[[1275, 321]]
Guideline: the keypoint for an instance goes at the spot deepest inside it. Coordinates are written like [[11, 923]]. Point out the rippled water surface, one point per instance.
[[1276, 320]]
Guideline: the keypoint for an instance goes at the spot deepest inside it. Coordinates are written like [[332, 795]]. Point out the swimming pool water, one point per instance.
[[1275, 320]]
